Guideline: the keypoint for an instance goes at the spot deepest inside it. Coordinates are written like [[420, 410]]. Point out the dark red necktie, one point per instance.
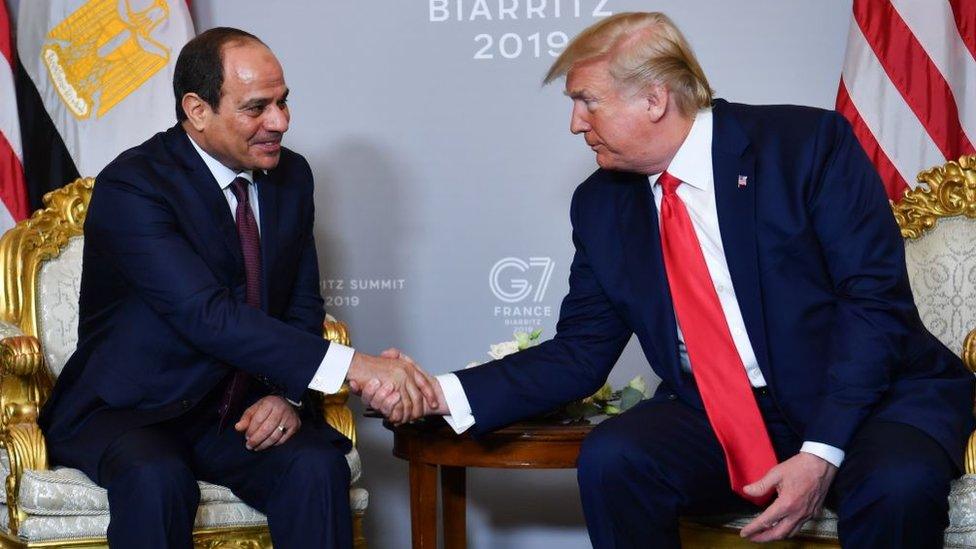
[[247, 232], [716, 365]]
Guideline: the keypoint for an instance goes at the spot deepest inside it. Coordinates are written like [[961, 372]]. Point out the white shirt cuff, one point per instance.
[[460, 418], [333, 369], [826, 452]]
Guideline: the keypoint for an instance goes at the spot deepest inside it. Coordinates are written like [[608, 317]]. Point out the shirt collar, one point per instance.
[[224, 175], [692, 163]]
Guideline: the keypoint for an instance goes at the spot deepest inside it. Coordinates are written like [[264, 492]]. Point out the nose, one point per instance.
[[276, 118], [578, 122]]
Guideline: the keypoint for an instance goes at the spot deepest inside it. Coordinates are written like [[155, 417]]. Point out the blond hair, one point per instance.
[[643, 49]]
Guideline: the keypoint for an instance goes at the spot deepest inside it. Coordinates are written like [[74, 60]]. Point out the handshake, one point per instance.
[[393, 384]]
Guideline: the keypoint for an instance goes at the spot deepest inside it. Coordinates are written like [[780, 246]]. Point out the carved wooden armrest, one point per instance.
[[335, 407], [969, 359], [24, 385]]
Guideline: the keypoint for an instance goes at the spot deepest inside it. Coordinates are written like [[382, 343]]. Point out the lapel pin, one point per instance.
[[743, 180]]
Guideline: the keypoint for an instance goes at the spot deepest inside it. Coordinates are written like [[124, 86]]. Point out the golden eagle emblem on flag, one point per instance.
[[103, 52]]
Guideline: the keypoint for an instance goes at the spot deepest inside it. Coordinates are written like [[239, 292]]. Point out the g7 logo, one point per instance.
[[509, 287]]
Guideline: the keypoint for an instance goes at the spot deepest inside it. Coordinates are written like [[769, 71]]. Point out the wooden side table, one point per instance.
[[431, 444]]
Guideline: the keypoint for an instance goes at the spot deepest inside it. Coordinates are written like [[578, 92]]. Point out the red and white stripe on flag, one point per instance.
[[13, 186], [909, 65]]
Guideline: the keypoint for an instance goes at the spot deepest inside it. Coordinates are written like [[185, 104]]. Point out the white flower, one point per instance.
[[503, 349], [472, 365], [641, 385]]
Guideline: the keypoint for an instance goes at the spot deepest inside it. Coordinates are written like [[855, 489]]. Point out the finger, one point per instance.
[[263, 409], [354, 386], [404, 356], [273, 437], [369, 391], [391, 401], [380, 396], [245, 420], [780, 531], [407, 397], [290, 432], [765, 520], [392, 352], [267, 427], [412, 400], [425, 383]]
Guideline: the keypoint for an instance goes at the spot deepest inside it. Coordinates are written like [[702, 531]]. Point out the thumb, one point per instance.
[[764, 485]]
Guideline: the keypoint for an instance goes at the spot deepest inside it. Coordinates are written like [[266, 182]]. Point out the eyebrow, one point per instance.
[[261, 101]]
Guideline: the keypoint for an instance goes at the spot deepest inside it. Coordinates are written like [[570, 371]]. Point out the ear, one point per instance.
[[657, 101], [197, 111]]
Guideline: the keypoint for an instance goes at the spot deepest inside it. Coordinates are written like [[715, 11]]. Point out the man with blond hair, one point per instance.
[[752, 251]]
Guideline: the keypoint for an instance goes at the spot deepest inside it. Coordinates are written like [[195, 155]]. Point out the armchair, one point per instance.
[[60, 507], [938, 222]]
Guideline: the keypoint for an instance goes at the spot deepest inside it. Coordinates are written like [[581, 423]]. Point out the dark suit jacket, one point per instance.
[[818, 267], [162, 311]]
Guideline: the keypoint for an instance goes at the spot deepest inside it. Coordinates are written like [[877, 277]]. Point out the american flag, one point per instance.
[[909, 85], [13, 189]]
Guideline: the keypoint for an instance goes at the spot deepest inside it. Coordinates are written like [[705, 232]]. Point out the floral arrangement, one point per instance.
[[606, 401]]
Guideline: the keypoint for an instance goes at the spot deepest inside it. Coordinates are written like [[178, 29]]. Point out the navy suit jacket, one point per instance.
[[818, 267], [162, 311]]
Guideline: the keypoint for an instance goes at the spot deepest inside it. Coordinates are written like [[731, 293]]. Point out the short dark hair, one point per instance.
[[200, 66]]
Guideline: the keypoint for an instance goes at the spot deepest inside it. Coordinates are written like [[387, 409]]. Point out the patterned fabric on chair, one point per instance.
[[938, 221], [46, 507]]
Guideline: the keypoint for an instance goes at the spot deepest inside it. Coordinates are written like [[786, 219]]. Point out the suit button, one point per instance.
[[186, 404], [672, 396]]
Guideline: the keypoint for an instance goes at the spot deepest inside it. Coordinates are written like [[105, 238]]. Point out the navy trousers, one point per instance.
[[151, 475], [641, 471]]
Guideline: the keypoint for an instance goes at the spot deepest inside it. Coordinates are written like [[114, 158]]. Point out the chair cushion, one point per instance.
[[960, 533], [942, 269], [68, 492], [215, 514], [58, 288]]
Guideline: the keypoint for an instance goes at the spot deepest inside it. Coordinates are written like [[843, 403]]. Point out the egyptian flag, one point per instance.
[[96, 78], [13, 189]]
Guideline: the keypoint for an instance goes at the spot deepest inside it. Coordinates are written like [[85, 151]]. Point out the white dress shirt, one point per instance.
[[692, 164], [335, 364]]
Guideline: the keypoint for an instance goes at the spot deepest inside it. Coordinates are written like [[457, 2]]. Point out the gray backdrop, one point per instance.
[[443, 178]]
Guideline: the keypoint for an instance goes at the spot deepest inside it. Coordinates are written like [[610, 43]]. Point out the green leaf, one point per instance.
[[605, 394], [522, 339], [535, 335], [582, 410], [611, 410], [629, 397]]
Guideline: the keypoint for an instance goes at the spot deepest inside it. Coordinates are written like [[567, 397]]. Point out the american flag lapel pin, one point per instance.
[[743, 180]]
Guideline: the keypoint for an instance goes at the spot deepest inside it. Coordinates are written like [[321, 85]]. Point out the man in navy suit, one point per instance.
[[200, 321], [753, 253]]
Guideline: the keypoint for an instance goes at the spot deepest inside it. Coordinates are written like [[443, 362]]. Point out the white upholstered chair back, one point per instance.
[[938, 221], [58, 287], [942, 270]]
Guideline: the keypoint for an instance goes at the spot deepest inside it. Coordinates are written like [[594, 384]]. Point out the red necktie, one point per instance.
[[716, 364], [247, 232]]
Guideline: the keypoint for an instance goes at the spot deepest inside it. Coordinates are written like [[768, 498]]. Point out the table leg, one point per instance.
[[453, 497], [423, 505]]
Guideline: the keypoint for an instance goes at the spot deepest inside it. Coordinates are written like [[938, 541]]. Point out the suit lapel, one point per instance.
[[268, 204], [734, 166], [209, 213], [641, 238]]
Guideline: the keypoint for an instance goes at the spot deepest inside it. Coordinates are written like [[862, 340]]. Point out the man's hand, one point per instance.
[[388, 402], [801, 483], [268, 422], [393, 384]]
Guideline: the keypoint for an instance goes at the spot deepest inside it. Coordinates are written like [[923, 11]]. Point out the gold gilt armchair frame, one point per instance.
[[946, 191], [25, 380]]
